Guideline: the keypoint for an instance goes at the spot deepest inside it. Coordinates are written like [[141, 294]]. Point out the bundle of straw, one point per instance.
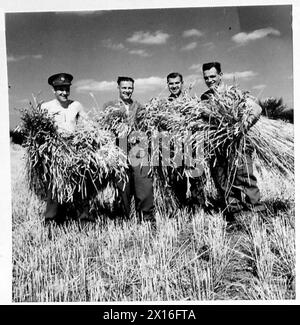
[[219, 127], [74, 167], [115, 119], [159, 115], [273, 141], [227, 114], [167, 120]]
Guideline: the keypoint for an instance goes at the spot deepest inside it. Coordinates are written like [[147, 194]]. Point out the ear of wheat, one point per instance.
[[74, 167]]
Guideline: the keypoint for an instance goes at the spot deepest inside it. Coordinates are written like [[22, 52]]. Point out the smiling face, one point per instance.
[[212, 78], [125, 90], [62, 93], [175, 86]]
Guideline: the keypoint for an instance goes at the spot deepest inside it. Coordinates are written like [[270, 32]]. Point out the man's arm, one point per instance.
[[82, 115]]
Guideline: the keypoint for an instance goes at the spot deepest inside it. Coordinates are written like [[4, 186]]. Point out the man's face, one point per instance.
[[126, 90], [212, 78], [62, 93], [175, 86]]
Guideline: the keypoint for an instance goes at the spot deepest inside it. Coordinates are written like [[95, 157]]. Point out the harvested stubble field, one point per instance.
[[190, 257]]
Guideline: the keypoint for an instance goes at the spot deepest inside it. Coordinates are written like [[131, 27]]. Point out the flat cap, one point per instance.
[[60, 79]]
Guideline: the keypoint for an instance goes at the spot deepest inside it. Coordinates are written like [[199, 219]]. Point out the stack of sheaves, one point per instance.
[[115, 119], [173, 149], [273, 141], [225, 117], [74, 167], [218, 127]]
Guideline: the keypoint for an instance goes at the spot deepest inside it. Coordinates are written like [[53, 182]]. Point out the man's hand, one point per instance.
[[254, 114]]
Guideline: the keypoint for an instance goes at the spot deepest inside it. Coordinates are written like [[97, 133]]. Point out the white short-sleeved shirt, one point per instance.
[[65, 118]]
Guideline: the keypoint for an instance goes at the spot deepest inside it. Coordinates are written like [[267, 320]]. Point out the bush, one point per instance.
[[17, 136], [274, 108]]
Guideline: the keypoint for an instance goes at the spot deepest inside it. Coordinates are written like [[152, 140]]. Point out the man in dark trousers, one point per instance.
[[140, 184], [243, 195]]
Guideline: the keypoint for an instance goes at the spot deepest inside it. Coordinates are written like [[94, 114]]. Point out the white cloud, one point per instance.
[[192, 32], [189, 46], [12, 58], [93, 85], [140, 85], [141, 37], [150, 83], [140, 52], [239, 75], [192, 79], [108, 43], [209, 45], [244, 38], [113, 46], [259, 87], [197, 67]]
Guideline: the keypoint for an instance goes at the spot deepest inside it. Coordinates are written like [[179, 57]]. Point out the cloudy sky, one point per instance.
[[253, 44]]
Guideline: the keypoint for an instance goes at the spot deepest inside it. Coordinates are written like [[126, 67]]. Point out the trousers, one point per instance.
[[238, 189], [139, 185], [60, 212], [180, 189], [54, 210]]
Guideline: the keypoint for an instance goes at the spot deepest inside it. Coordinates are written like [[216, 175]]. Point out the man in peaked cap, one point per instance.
[[60, 79], [66, 113]]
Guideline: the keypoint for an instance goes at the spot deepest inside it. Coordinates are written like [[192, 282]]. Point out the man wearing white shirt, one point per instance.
[[66, 114]]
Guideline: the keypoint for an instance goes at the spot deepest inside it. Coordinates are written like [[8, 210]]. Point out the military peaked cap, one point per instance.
[[60, 79]]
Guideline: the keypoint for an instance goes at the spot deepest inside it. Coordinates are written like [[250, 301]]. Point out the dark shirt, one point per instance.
[[206, 95], [173, 97]]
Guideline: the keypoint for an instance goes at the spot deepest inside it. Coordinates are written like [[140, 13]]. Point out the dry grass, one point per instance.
[[190, 257]]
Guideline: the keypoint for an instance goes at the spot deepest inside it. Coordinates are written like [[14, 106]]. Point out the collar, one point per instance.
[[130, 102], [172, 96]]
